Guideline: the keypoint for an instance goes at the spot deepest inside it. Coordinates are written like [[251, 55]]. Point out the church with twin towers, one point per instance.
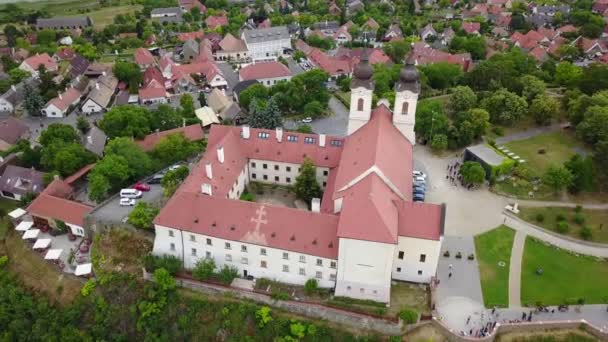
[[361, 234]]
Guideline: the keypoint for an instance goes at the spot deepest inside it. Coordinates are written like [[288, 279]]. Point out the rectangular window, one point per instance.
[[244, 248], [276, 178], [285, 268], [292, 138], [302, 271], [276, 167], [264, 166], [253, 175], [262, 251], [285, 256], [244, 261], [171, 233], [193, 251], [332, 277], [253, 165], [288, 179], [265, 177], [227, 245], [263, 264], [398, 269], [419, 272], [208, 242], [401, 254], [324, 184], [332, 264], [325, 172], [336, 143], [288, 168], [172, 246], [319, 275], [208, 255], [319, 262], [263, 135], [192, 237], [422, 257], [302, 258], [309, 140]]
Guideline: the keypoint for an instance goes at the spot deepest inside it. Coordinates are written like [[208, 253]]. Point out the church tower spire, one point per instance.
[[361, 93], [407, 90]]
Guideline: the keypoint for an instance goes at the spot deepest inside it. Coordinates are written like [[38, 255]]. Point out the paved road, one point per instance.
[[231, 76], [335, 124], [294, 67], [112, 213], [528, 133], [39, 123], [517, 253]]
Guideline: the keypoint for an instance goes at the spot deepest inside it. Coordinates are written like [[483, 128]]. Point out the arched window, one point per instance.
[[404, 107], [360, 105]]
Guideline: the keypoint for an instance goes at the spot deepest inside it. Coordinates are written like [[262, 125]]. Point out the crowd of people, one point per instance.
[[454, 176]]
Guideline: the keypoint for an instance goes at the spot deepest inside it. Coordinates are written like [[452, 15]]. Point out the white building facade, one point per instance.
[[267, 44]]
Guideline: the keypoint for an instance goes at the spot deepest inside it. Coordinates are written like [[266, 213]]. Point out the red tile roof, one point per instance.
[[424, 54], [43, 59], [53, 203], [66, 99], [186, 36], [153, 78], [192, 133], [143, 57], [264, 70], [189, 4], [152, 93], [214, 22], [279, 227], [470, 27], [421, 220], [66, 53]]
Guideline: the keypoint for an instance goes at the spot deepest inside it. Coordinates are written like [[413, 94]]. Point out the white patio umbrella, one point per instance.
[[53, 254], [17, 213], [24, 225], [31, 234], [42, 243], [83, 269]]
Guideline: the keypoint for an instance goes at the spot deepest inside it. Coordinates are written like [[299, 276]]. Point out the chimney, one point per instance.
[[245, 132], [60, 97], [206, 189], [13, 87], [315, 205], [322, 140], [103, 73], [279, 134], [89, 139], [97, 86], [220, 154], [208, 171], [77, 78]]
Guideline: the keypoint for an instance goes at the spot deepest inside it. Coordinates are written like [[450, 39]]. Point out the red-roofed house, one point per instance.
[[153, 78], [267, 73], [471, 27], [186, 36], [366, 204], [590, 47], [187, 5], [65, 54], [212, 73], [192, 133], [153, 95], [423, 54], [214, 22], [58, 106], [32, 63], [143, 58]]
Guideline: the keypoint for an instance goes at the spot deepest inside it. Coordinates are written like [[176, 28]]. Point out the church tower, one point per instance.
[[406, 98], [361, 93]]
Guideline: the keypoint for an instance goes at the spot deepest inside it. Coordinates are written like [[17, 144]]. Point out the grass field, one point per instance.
[[559, 147], [566, 278], [494, 248], [7, 206], [593, 220]]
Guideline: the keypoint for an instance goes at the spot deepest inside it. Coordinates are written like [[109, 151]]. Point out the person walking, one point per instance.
[[450, 275]]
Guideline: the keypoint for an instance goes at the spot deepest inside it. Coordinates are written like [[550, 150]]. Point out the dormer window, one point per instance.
[[292, 138], [404, 108], [360, 105], [263, 135], [309, 140]]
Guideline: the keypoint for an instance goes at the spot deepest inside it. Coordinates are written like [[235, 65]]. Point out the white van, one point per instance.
[[130, 193]]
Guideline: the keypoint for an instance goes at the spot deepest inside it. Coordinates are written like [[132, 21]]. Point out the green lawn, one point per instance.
[[559, 147], [593, 220], [565, 278], [494, 248], [7, 206]]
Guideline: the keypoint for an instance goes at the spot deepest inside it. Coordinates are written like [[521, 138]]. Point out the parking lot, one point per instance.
[[111, 212]]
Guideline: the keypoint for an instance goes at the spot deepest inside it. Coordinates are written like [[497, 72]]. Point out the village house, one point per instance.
[[213, 22], [58, 107], [33, 63], [267, 44], [11, 130], [143, 57], [232, 49], [100, 95], [187, 5], [66, 23], [266, 73], [167, 15], [192, 133], [13, 97], [16, 182]]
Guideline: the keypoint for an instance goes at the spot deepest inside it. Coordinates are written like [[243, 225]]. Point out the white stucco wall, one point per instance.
[[405, 122], [364, 269], [277, 172], [249, 260], [90, 107], [411, 268], [269, 50], [6, 106], [52, 112], [356, 117], [241, 182]]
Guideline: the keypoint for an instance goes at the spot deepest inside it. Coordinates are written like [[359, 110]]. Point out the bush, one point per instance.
[[311, 286], [227, 274], [562, 227], [169, 262], [560, 217], [408, 316], [498, 131], [540, 217], [247, 196], [578, 208], [579, 218], [279, 295], [586, 233], [204, 269]]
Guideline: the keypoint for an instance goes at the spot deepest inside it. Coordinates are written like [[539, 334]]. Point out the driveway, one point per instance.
[[336, 124], [37, 124], [112, 213], [294, 67], [232, 77]]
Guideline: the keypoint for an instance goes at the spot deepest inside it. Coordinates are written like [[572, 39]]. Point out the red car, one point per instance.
[[142, 187]]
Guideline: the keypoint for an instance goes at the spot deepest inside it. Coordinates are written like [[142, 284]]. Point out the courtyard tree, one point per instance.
[[165, 117], [82, 124], [472, 172], [138, 162], [142, 215], [442, 75], [172, 179], [204, 269], [126, 121], [462, 99], [33, 101], [265, 114], [57, 132], [532, 87], [252, 93], [504, 107], [129, 73], [173, 148], [396, 50], [543, 109], [306, 187], [557, 178], [187, 105]]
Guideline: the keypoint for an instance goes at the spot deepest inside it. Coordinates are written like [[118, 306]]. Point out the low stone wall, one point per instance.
[[502, 328], [355, 320]]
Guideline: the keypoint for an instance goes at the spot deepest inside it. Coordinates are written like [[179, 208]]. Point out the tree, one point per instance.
[[82, 124], [57, 132], [17, 75], [304, 129], [142, 215], [321, 43], [478, 119], [138, 162], [306, 187], [65, 158], [254, 92], [439, 142], [504, 107], [33, 101], [462, 99], [594, 127], [187, 105], [543, 109], [11, 33], [163, 279], [567, 73], [164, 118], [472, 172], [594, 78], [430, 119], [99, 187], [532, 87], [203, 269], [396, 50], [173, 148], [46, 37], [130, 73], [126, 121], [583, 174], [265, 115], [202, 99], [172, 179], [313, 109], [557, 178], [600, 160], [442, 75], [87, 50], [115, 170], [311, 286], [475, 45]]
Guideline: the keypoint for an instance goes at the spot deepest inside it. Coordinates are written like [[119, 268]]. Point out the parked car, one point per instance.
[[142, 187], [307, 120], [127, 202], [419, 179], [418, 192], [419, 187], [417, 173], [418, 198], [156, 179], [130, 193], [175, 167]]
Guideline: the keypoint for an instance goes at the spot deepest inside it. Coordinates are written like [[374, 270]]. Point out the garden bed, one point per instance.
[[584, 224]]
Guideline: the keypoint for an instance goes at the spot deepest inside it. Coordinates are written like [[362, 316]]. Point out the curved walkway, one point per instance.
[[517, 254]]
